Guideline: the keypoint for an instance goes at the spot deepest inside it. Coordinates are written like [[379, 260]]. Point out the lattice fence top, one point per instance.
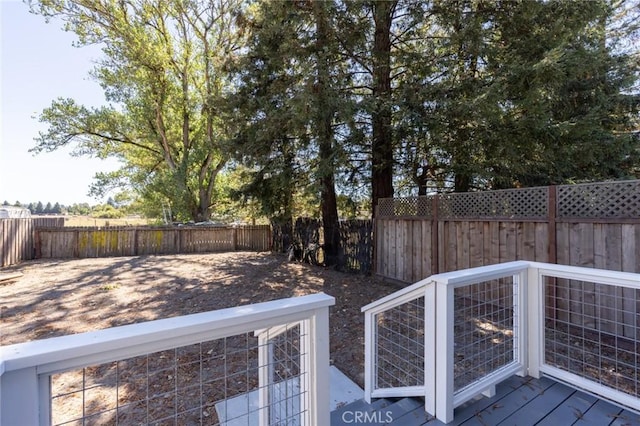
[[409, 206], [527, 203], [608, 200]]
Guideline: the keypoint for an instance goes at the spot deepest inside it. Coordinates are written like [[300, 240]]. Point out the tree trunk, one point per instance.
[[382, 144], [324, 118]]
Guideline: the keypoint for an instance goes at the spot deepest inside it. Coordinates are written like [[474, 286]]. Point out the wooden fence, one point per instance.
[[17, 238], [593, 225], [356, 249], [590, 225], [134, 241]]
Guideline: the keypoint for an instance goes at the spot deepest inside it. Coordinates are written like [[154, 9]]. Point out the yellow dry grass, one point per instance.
[[92, 221]]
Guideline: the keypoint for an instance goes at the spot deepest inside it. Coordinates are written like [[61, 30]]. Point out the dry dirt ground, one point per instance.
[[59, 297]]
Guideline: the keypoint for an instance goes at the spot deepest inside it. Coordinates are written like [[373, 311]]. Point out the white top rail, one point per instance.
[[489, 272], [482, 273], [73, 351], [477, 274]]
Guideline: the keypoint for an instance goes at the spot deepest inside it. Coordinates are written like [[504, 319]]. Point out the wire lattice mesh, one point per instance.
[[399, 357], [485, 330], [591, 330], [209, 383], [287, 398]]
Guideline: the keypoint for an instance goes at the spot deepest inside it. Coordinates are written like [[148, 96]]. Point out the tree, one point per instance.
[[269, 101], [381, 116], [517, 94], [290, 104], [165, 69], [325, 109]]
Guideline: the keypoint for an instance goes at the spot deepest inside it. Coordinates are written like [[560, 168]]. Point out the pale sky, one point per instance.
[[37, 65]]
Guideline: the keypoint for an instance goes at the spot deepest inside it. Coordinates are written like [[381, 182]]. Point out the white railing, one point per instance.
[[169, 369], [481, 325]]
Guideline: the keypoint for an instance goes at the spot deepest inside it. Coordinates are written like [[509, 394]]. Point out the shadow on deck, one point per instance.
[[518, 401]]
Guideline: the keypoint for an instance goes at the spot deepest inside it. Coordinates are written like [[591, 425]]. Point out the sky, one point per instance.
[[37, 65]]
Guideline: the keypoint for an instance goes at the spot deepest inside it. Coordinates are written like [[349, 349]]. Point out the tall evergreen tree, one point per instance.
[[291, 72]]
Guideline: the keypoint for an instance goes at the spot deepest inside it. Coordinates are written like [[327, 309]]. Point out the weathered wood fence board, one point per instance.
[[133, 241], [17, 241]]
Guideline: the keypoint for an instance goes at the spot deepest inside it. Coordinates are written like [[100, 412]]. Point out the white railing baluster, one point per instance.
[[444, 352], [318, 367], [535, 307], [429, 349], [369, 356]]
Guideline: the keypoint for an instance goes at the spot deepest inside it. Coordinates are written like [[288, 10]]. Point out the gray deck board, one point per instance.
[[537, 409], [412, 415], [570, 410], [470, 409], [518, 401], [600, 413], [511, 403], [626, 418]]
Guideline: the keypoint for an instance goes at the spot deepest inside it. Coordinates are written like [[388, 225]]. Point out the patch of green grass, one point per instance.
[[108, 287]]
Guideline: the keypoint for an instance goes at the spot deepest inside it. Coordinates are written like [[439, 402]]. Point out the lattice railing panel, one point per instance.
[[527, 203], [399, 357], [213, 383], [619, 200], [484, 330], [594, 332]]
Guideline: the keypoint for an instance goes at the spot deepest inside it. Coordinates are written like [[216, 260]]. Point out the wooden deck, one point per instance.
[[518, 401]]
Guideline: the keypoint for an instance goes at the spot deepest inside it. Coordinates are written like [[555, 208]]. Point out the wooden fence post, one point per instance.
[[552, 217], [435, 250], [374, 240], [234, 238], [552, 257], [37, 249]]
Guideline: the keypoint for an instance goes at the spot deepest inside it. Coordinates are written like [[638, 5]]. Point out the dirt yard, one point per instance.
[[54, 298]]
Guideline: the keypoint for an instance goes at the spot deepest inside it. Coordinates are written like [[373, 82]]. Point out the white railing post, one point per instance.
[[318, 367], [444, 352], [20, 402], [429, 349], [535, 315], [521, 320], [265, 377], [369, 355]]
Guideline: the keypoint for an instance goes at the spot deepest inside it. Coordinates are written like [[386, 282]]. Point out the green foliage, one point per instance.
[[233, 109], [520, 93], [81, 209], [106, 211], [165, 73]]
